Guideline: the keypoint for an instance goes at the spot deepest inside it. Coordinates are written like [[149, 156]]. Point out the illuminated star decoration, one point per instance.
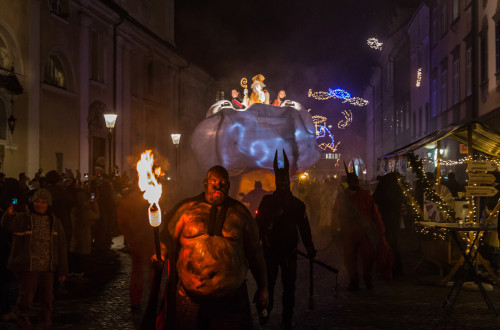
[[419, 77], [348, 119], [338, 94], [374, 43], [323, 132]]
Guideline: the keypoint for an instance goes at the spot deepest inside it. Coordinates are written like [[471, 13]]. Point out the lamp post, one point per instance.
[[110, 119], [176, 138]]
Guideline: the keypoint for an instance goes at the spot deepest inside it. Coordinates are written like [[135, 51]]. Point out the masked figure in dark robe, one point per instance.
[[362, 230], [279, 216]]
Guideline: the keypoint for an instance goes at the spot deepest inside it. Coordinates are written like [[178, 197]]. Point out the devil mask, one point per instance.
[[282, 177]]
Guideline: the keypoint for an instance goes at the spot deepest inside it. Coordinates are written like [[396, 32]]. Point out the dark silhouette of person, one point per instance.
[[281, 217], [453, 184], [389, 198], [254, 197]]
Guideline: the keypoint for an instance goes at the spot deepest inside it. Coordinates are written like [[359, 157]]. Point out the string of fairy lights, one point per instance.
[[429, 187], [322, 131], [347, 119], [419, 77], [430, 193], [337, 94], [374, 43]]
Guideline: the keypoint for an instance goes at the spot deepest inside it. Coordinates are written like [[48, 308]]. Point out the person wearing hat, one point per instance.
[[38, 252], [259, 94]]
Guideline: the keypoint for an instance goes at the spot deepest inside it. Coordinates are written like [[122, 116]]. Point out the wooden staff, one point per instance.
[[149, 317], [311, 284]]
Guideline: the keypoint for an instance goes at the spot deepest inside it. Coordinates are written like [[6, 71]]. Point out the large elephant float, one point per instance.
[[246, 140]]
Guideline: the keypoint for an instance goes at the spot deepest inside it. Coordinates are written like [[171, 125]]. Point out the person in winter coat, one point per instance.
[[38, 253]]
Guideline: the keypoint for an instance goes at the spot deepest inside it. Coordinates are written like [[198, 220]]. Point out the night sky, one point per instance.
[[296, 45]]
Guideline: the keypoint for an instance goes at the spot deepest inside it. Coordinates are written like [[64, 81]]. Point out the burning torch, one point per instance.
[[152, 193]]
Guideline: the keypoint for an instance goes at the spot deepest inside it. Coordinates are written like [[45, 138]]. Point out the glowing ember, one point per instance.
[[148, 183]]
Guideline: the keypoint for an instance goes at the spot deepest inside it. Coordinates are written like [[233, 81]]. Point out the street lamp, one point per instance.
[[176, 138], [110, 119]]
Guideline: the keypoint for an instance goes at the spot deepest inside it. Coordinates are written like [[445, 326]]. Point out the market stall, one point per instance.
[[432, 202]]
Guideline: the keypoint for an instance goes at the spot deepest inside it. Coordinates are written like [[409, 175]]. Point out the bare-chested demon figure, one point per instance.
[[216, 239]]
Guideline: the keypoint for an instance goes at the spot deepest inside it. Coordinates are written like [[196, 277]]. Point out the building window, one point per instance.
[[219, 95], [434, 86], [434, 26], [331, 156], [414, 124], [54, 73], [96, 57], [407, 112], [427, 120], [444, 17], [468, 71], [5, 58], [483, 55], [444, 88], [59, 8], [455, 9], [455, 84], [497, 45], [420, 121], [3, 121], [151, 78], [389, 75]]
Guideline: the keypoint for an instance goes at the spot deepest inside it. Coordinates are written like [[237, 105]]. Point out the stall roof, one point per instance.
[[484, 139]]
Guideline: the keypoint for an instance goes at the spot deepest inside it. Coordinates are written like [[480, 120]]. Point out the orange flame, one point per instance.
[[148, 183]]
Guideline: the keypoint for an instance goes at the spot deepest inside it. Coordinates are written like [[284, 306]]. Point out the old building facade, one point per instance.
[[78, 59], [453, 53]]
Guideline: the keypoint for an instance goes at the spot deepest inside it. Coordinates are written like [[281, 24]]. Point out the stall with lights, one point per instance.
[[482, 145]]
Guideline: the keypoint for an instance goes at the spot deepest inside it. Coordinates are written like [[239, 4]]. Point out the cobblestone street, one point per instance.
[[100, 300]]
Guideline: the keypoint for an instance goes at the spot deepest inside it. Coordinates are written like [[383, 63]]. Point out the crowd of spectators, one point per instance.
[[85, 205]]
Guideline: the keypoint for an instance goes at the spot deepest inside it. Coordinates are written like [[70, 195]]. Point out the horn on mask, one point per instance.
[[285, 158], [275, 163], [346, 169]]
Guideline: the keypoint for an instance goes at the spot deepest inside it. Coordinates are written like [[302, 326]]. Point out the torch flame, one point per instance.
[[148, 183]]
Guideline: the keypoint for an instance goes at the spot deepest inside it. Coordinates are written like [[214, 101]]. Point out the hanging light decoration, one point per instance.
[[374, 43], [347, 121], [322, 131], [337, 94], [419, 77]]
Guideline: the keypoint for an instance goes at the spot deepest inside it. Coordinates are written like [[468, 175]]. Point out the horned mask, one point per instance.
[[352, 178], [282, 177]]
